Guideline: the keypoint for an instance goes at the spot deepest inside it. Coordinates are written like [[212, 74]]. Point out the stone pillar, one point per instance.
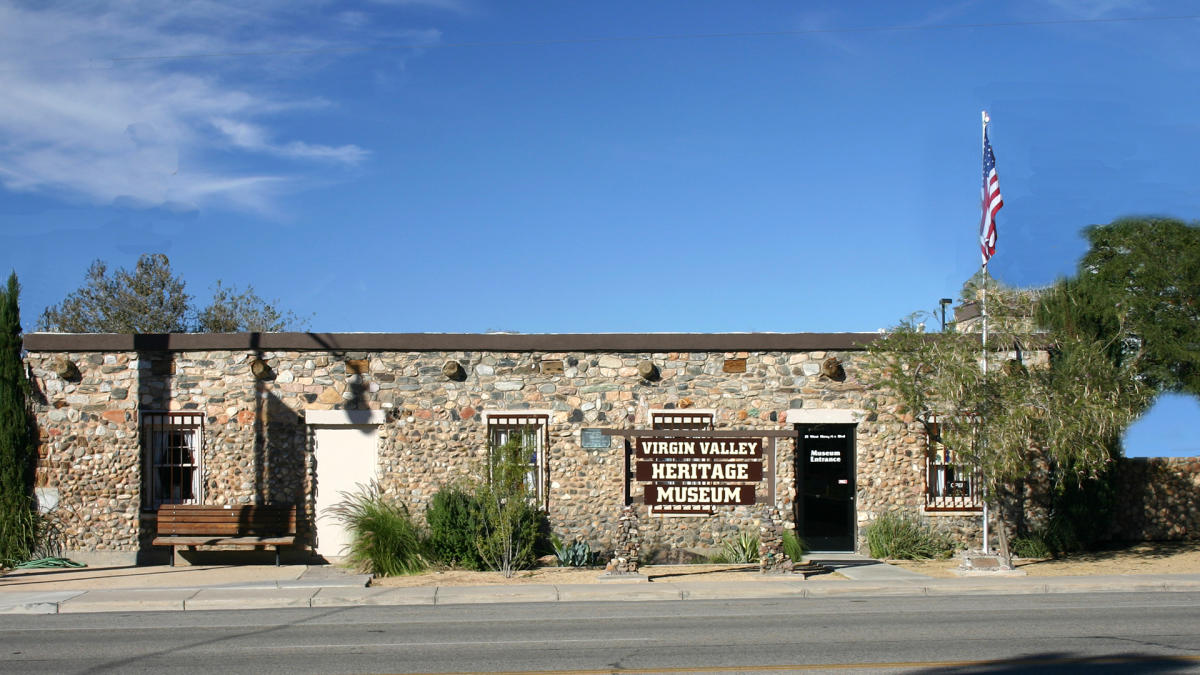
[[771, 558], [629, 543]]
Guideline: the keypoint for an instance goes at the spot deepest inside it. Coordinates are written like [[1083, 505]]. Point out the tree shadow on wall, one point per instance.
[[151, 391], [285, 470], [279, 449]]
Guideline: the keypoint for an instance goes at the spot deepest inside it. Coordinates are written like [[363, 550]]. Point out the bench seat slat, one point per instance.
[[223, 541], [227, 530]]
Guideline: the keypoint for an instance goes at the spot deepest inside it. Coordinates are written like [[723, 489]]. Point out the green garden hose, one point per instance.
[[48, 562]]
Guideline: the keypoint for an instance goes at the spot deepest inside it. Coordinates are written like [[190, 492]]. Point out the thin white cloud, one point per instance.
[[1100, 9], [90, 110], [254, 138], [458, 6]]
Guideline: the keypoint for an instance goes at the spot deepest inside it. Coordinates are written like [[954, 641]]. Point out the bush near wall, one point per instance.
[[453, 517], [898, 536]]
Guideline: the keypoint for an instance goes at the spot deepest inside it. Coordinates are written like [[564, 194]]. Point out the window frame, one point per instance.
[[499, 425], [941, 471], [158, 429], [684, 419]]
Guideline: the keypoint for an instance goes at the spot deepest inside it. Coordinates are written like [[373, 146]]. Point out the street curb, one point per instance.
[[287, 596]]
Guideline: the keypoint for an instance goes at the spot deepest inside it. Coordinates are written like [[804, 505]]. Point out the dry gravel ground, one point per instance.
[[1141, 558]]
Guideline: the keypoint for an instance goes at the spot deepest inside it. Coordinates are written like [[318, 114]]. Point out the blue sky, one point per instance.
[[472, 165]]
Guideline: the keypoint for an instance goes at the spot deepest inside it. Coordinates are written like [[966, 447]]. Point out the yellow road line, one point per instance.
[[878, 665]]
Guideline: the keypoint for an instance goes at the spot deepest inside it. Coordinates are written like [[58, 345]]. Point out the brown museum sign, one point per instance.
[[685, 474]]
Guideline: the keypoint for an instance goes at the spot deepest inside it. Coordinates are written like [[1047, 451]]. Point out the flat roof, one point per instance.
[[449, 342]]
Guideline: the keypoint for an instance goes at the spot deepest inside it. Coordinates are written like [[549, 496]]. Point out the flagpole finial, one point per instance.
[[984, 115]]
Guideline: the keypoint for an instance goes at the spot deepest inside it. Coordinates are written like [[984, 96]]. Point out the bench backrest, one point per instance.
[[197, 519]]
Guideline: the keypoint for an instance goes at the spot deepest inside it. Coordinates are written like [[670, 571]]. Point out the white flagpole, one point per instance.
[[984, 363]]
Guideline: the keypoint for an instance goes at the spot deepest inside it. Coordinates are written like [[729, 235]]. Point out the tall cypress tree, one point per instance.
[[18, 532]]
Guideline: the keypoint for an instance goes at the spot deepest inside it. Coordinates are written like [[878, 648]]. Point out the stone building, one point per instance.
[[129, 422]]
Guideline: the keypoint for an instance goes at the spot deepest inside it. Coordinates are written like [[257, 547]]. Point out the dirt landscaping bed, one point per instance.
[[590, 575], [1166, 557], [1140, 558]]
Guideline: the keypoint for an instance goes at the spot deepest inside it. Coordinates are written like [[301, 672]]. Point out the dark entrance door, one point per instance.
[[825, 477]]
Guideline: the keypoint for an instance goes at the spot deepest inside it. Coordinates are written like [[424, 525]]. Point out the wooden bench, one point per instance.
[[195, 525]]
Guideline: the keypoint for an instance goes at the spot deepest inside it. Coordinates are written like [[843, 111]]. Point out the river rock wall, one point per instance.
[[257, 449]]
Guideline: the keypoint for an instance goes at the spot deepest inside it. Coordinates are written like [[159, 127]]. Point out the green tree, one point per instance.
[[152, 299], [18, 521], [235, 312], [148, 299], [1053, 397], [1137, 289]]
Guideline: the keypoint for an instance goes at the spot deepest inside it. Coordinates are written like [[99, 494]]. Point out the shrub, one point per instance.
[[19, 529], [793, 546], [1031, 546], [896, 536], [1058, 535], [384, 539], [511, 535], [512, 529], [453, 518]]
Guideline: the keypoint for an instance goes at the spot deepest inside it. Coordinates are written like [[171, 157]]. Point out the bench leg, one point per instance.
[[172, 556], [277, 556]]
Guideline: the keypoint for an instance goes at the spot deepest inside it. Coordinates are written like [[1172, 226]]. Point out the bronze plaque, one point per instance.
[[594, 439]]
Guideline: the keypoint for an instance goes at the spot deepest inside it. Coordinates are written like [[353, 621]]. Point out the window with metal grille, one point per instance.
[[533, 430], [949, 484], [171, 446]]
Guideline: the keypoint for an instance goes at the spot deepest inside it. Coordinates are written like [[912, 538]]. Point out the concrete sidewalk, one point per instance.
[[126, 589]]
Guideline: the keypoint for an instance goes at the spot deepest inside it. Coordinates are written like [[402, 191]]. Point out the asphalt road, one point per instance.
[[1152, 632]]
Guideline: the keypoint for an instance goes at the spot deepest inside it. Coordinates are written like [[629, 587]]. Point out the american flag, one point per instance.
[[992, 201]]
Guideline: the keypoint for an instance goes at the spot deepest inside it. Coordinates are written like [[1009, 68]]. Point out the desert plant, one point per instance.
[[384, 539], [742, 549], [793, 545], [896, 536], [576, 554], [453, 517], [510, 525]]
